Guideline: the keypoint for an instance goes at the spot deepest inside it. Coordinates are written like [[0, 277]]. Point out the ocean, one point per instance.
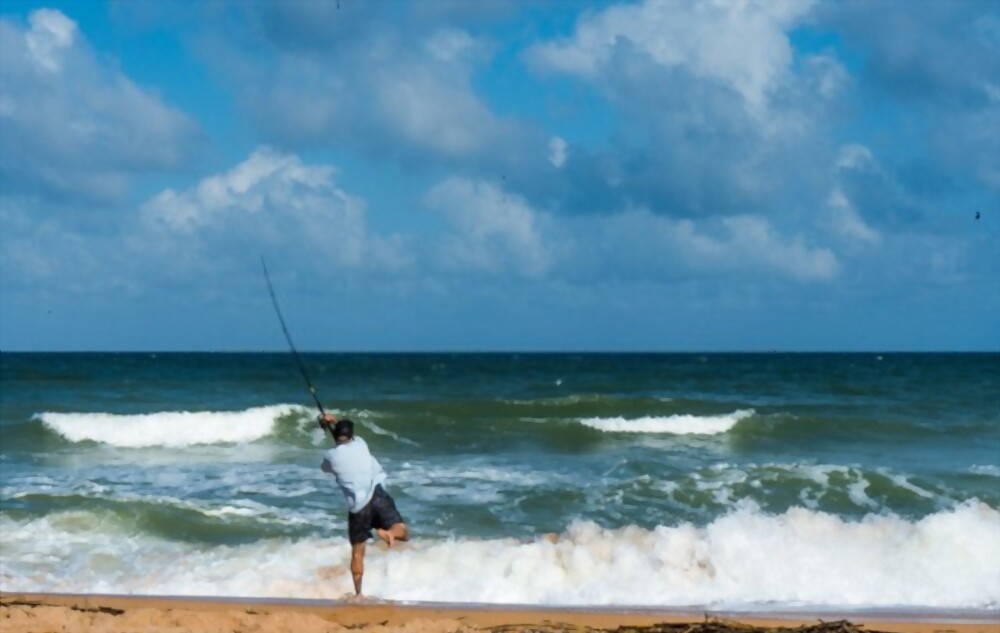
[[745, 481]]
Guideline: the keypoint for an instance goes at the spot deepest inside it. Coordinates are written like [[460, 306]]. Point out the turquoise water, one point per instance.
[[661, 479]]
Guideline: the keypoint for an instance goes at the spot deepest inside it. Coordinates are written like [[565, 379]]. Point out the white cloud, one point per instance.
[[406, 94], [240, 190], [557, 151], [866, 192], [854, 156], [830, 75], [51, 35], [714, 111], [42, 253], [848, 222], [494, 231], [451, 45], [70, 122], [429, 109], [428, 101], [753, 239], [270, 203], [641, 244], [742, 44], [273, 198]]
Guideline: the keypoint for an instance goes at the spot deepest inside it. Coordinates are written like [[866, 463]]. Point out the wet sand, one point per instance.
[[39, 613]]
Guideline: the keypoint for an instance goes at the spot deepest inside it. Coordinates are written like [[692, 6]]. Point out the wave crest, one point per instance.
[[169, 428], [672, 424]]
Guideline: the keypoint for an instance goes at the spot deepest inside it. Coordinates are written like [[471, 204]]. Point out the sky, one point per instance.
[[540, 175]]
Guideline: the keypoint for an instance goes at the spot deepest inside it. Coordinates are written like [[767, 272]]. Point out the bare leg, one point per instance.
[[357, 565], [396, 532]]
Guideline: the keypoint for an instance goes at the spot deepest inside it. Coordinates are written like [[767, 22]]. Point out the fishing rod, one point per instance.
[[295, 353]]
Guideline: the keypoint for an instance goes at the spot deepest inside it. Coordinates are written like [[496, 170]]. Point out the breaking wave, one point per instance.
[[672, 424], [746, 558], [171, 428]]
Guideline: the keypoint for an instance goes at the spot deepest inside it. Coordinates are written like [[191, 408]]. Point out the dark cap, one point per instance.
[[343, 428]]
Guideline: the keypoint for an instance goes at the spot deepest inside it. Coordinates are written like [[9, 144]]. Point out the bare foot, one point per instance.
[[386, 536], [354, 598]]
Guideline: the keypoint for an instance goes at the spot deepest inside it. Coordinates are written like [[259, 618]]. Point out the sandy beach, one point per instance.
[[41, 613]]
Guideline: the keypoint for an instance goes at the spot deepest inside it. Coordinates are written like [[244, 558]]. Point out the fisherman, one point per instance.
[[360, 477]]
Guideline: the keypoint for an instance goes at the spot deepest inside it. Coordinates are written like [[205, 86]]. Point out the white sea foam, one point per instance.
[[902, 481], [746, 558], [170, 428], [471, 482], [987, 469], [727, 481], [673, 424], [377, 430]]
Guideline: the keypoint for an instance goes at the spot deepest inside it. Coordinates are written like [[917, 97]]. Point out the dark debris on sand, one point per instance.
[[708, 626]]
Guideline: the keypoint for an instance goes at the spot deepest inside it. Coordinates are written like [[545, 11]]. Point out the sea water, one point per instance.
[[752, 481]]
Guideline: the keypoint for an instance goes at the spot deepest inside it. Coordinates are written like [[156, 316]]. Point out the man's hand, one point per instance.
[[326, 420]]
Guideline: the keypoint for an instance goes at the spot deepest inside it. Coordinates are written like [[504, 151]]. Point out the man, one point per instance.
[[369, 506]]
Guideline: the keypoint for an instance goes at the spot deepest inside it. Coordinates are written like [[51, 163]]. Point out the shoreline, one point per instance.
[[30, 611]]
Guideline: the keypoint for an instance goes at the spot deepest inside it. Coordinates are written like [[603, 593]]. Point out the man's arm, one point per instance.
[[357, 565]]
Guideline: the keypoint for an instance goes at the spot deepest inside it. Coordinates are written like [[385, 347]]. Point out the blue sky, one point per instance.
[[538, 175]]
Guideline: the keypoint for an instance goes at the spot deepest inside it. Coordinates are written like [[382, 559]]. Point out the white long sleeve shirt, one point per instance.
[[357, 472]]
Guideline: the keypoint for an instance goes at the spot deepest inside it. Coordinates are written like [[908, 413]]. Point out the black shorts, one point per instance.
[[380, 513]]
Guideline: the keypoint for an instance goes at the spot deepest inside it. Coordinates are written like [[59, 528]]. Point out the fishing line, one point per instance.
[[295, 352]]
